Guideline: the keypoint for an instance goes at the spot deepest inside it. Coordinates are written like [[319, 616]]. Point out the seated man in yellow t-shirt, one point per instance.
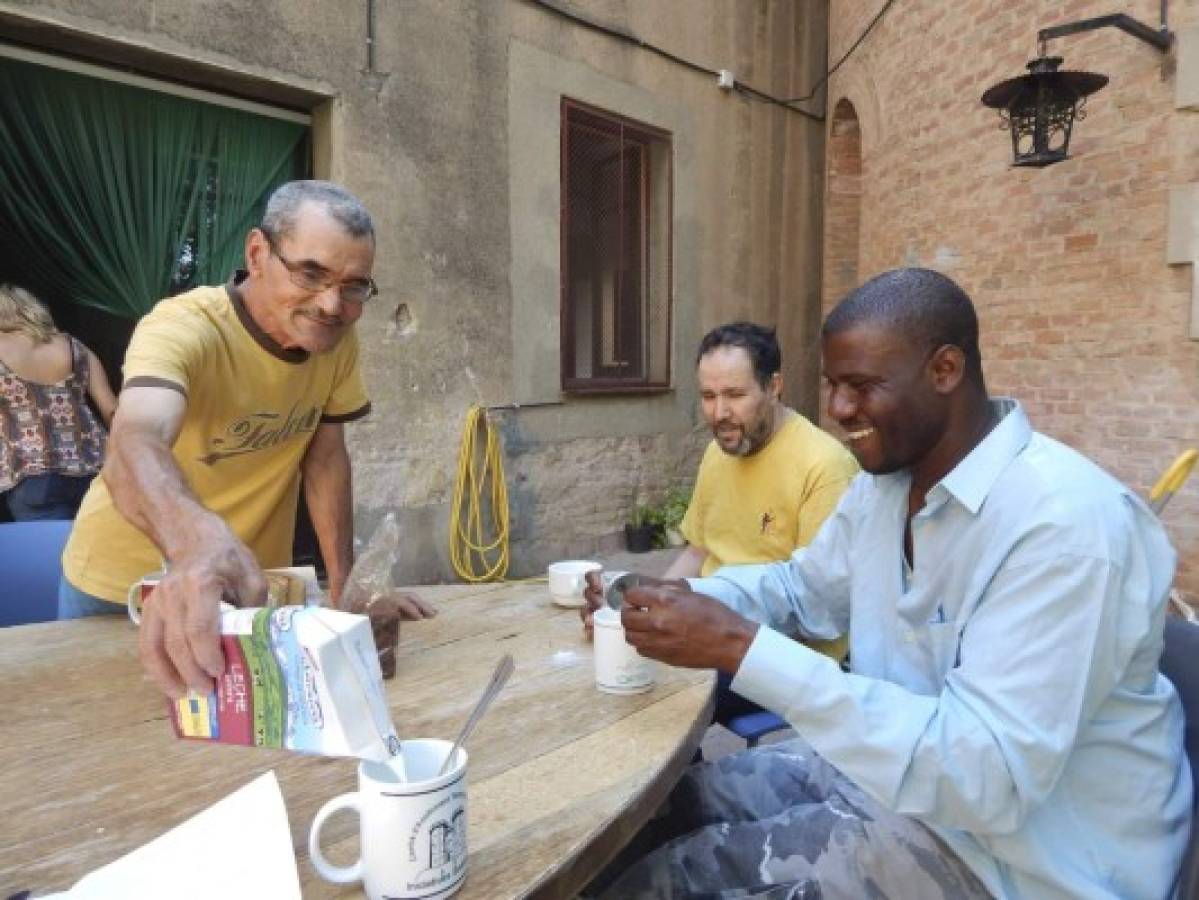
[[769, 478]]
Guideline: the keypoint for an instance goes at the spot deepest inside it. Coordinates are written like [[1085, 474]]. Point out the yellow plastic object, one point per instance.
[[477, 555], [1172, 479]]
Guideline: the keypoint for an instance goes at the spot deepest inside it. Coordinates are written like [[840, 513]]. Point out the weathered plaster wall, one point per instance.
[[1082, 318], [425, 138]]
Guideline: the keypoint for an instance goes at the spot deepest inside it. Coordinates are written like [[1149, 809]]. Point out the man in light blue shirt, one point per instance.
[[1004, 707]]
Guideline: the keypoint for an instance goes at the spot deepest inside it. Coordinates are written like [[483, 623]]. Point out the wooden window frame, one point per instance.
[[577, 114]]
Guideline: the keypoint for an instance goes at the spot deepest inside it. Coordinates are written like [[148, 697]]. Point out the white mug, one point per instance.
[[619, 668], [568, 580], [413, 830], [139, 592]]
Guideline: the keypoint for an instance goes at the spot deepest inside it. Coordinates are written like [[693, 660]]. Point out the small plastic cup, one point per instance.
[[619, 668]]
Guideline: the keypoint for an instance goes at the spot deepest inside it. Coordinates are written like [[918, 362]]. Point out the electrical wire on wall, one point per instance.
[[479, 552], [854, 46], [724, 78]]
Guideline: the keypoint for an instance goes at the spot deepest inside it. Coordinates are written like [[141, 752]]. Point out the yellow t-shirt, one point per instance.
[[760, 508], [252, 409]]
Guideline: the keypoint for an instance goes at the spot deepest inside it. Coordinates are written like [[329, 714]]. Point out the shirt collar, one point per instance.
[[264, 340], [972, 479]]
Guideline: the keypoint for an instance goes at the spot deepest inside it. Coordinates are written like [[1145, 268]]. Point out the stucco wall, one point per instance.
[[1083, 319], [427, 139]]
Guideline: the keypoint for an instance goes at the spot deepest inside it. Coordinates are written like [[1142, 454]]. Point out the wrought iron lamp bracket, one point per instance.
[[1161, 38]]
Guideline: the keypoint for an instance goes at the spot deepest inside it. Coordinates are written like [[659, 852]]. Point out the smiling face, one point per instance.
[[742, 414], [319, 246], [887, 394]]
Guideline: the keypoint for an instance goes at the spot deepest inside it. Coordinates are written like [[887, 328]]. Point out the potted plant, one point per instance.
[[670, 514], [640, 530]]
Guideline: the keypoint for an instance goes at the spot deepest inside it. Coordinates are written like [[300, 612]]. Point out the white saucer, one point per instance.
[[568, 602]]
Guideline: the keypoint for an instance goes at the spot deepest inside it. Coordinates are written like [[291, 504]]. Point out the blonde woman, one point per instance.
[[51, 445]]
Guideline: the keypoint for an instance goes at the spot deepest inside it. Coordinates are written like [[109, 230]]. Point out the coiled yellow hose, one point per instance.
[[479, 483]]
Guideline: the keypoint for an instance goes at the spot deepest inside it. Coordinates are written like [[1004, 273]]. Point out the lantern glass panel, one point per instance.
[[1024, 129]]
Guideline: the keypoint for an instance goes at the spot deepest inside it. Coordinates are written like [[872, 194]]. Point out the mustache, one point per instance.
[[320, 317]]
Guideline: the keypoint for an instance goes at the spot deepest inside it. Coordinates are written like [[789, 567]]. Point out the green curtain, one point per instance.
[[113, 196]]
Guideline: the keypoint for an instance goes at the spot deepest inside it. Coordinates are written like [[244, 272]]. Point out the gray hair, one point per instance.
[[279, 219]]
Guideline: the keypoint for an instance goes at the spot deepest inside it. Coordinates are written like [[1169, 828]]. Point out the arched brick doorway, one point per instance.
[[842, 204], [842, 213]]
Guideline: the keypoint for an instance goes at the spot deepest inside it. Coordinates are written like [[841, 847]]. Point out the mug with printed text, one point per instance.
[[412, 825]]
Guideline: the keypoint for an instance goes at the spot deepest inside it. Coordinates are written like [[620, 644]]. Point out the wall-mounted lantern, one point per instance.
[[1040, 108]]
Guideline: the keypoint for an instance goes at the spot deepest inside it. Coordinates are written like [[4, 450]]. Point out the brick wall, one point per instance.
[[1082, 318]]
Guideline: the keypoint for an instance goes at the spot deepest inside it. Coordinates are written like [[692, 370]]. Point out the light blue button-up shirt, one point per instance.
[[1005, 691]]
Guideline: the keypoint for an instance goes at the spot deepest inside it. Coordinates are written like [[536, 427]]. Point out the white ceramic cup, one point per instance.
[[413, 832], [138, 593], [568, 580], [619, 668]]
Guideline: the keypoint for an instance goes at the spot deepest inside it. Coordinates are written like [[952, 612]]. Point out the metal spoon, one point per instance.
[[498, 678]]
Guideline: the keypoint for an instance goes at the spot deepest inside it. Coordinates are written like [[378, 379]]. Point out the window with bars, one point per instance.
[[616, 211]]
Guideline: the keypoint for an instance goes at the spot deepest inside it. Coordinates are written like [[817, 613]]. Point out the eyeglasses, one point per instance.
[[310, 277]]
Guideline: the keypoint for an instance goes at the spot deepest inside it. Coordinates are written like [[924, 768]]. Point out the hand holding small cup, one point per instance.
[[597, 587], [593, 594], [674, 625]]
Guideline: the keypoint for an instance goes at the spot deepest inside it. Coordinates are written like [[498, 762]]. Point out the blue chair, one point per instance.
[[752, 727], [747, 720], [31, 563], [1180, 663]]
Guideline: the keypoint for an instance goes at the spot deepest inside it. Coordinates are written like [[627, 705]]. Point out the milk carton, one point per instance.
[[300, 678]]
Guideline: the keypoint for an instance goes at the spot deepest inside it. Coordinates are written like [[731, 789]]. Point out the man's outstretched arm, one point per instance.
[[179, 642]]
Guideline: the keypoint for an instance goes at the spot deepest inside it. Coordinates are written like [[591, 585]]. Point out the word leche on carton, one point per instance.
[[302, 678]]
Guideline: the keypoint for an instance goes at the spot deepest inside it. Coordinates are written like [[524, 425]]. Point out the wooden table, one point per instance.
[[561, 775]]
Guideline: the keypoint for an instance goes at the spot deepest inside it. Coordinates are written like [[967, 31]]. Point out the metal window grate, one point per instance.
[[616, 197]]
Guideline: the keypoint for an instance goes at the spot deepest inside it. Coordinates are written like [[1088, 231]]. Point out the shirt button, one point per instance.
[[909, 636]]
